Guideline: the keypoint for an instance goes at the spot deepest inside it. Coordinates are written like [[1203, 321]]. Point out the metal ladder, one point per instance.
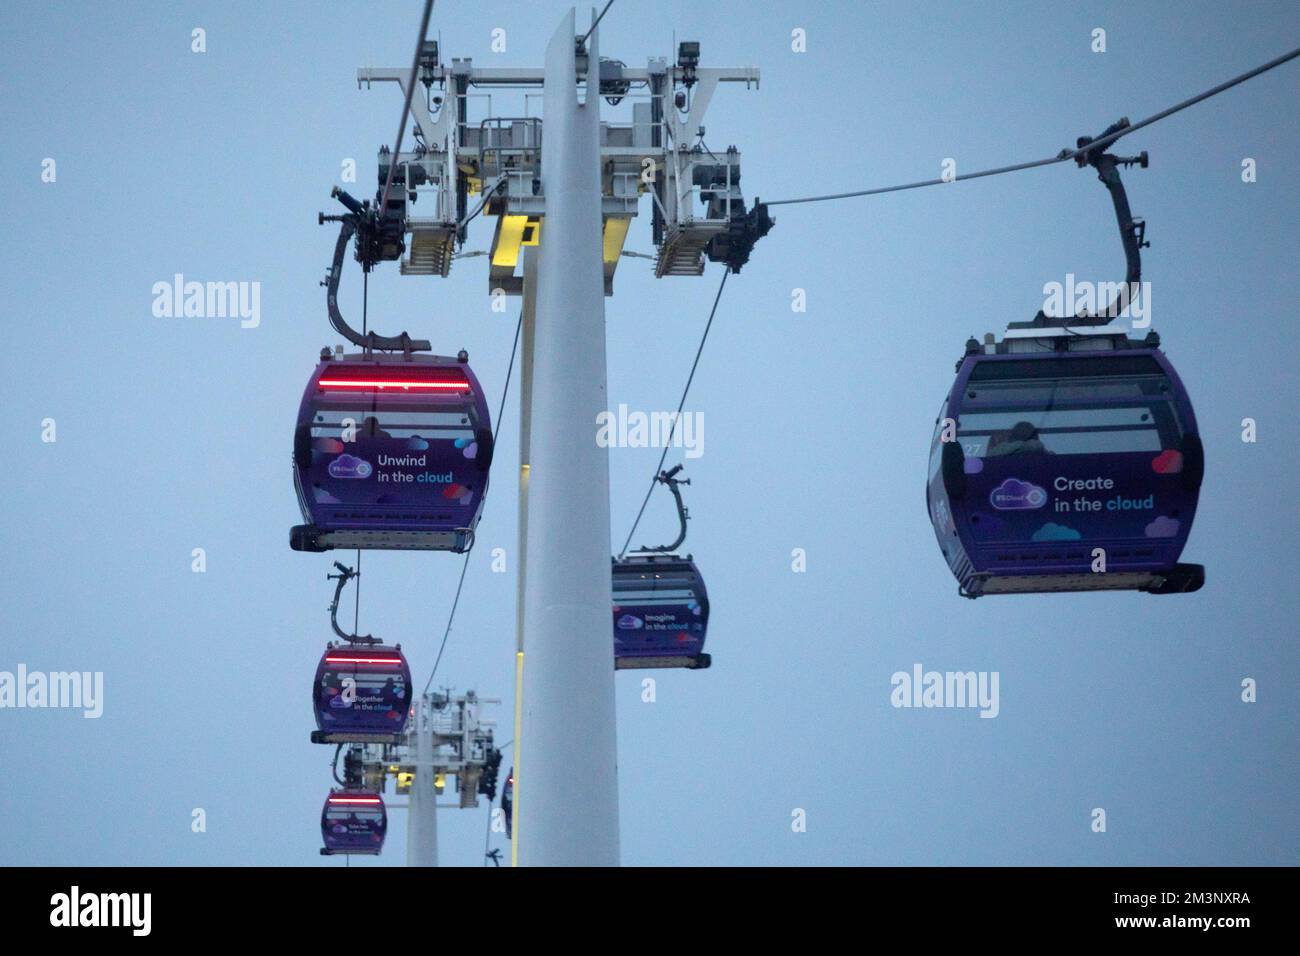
[[430, 249], [682, 251]]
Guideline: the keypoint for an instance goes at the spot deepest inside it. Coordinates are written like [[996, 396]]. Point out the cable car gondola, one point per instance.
[[353, 821], [1067, 457], [392, 447], [660, 605], [391, 454], [362, 690], [362, 694]]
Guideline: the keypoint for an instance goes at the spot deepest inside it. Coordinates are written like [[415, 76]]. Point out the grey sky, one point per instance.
[[175, 434]]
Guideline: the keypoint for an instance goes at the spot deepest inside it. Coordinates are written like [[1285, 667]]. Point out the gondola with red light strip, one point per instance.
[[362, 690], [391, 452], [353, 821], [362, 694]]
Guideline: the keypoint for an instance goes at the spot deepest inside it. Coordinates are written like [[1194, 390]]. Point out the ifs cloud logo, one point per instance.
[[350, 466], [1016, 495]]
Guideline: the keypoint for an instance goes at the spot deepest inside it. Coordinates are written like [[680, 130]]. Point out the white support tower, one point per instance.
[[528, 321], [422, 814], [698, 210], [446, 738], [566, 785], [564, 188]]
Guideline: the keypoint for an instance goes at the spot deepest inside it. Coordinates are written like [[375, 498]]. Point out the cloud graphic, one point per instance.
[[350, 466], [463, 495], [630, 622], [972, 466], [1016, 495], [1162, 527], [323, 497], [471, 450], [1168, 462], [1055, 532], [416, 443], [331, 445]]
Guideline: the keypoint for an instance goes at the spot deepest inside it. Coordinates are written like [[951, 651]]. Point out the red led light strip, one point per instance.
[[363, 660], [442, 385]]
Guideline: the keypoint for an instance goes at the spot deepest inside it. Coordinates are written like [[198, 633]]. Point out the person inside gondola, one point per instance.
[[1021, 439], [370, 428]]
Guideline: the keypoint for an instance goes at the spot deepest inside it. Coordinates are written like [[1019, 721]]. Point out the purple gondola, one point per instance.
[[391, 452], [661, 608], [1066, 457], [353, 822], [1066, 460], [362, 694], [661, 613]]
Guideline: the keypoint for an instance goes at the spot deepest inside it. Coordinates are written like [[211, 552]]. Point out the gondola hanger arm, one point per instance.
[[360, 220], [345, 575], [670, 479], [1090, 151]]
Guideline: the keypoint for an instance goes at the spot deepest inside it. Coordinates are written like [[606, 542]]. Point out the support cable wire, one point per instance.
[[595, 23], [346, 574], [487, 197], [654, 480], [1064, 155], [488, 853], [356, 607], [365, 327], [406, 107], [501, 410]]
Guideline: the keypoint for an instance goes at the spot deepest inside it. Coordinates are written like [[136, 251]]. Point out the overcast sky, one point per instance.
[[175, 434]]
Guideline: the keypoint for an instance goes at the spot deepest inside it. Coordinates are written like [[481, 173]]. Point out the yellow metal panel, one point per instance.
[[615, 236], [513, 232]]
